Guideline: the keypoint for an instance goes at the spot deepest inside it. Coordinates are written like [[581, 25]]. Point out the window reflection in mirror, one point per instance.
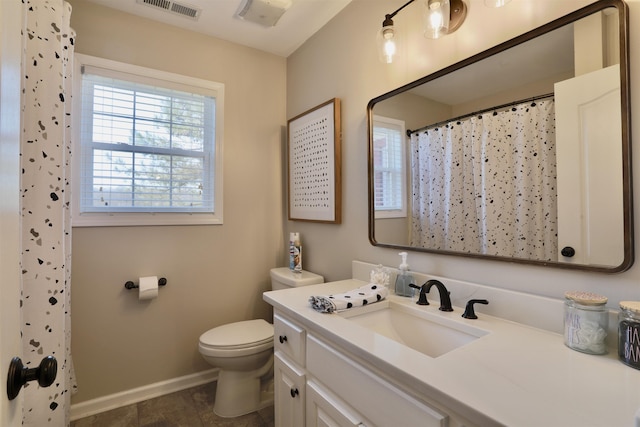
[[390, 184]]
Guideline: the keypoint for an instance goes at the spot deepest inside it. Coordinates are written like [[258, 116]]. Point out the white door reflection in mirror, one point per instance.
[[589, 209]]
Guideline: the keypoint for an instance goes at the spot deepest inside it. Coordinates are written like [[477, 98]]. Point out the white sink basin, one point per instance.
[[412, 325]]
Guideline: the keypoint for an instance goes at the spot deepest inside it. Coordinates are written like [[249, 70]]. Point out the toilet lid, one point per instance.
[[239, 334]]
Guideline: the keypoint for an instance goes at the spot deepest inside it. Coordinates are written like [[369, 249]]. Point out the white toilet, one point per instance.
[[243, 351]]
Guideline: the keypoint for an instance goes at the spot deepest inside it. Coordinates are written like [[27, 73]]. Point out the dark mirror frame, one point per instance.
[[626, 135]]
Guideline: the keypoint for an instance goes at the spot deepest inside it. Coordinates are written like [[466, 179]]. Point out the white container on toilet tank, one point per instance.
[[295, 253]]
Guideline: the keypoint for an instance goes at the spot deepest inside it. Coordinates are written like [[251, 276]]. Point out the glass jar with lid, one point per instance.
[[629, 333], [586, 321]]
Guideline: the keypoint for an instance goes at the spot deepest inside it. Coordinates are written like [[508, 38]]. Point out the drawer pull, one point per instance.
[[282, 339], [294, 392]]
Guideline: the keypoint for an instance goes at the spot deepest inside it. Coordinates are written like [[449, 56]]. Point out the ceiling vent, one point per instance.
[[173, 7], [263, 12]]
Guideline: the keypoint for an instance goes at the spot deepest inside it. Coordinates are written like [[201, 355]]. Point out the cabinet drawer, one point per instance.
[[378, 400], [289, 338]]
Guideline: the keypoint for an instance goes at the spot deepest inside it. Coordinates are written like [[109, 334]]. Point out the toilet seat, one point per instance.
[[237, 339]]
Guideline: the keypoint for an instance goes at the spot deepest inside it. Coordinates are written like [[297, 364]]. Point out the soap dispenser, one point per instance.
[[404, 278]]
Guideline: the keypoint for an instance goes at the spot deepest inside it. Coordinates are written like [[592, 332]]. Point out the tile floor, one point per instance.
[[187, 408]]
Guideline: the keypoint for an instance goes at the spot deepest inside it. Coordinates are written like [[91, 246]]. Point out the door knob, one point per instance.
[[19, 375], [568, 251]]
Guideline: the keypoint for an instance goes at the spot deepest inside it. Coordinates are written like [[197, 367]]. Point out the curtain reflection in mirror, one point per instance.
[[498, 194]]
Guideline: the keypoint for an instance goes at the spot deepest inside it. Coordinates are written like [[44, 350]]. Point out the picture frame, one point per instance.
[[314, 164]]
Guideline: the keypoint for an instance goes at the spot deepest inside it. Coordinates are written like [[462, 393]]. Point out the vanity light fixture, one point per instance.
[[436, 18], [440, 17], [386, 38]]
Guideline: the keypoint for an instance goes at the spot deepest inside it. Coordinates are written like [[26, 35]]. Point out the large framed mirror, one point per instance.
[[520, 153]]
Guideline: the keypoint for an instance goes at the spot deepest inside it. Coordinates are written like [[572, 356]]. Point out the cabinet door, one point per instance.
[[289, 392], [326, 410]]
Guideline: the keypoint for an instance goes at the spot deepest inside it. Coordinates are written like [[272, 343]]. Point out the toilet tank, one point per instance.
[[283, 278]]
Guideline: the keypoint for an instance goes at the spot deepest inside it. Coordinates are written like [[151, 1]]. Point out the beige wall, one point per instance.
[[216, 274], [341, 61]]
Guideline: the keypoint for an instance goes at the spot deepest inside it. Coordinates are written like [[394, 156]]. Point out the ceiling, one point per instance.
[[218, 19], [507, 70]]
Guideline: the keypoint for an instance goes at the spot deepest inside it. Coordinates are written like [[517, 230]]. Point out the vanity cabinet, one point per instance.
[[351, 370], [318, 384]]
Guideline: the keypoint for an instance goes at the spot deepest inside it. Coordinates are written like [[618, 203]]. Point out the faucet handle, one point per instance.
[[469, 313], [422, 299]]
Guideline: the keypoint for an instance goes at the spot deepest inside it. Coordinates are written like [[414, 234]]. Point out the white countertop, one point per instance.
[[516, 375]]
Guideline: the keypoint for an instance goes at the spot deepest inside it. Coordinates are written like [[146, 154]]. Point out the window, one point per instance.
[[150, 147], [389, 165]]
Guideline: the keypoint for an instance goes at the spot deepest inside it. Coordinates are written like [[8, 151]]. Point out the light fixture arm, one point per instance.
[[388, 18]]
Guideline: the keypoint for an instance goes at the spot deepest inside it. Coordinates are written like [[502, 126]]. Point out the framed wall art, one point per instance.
[[314, 164]]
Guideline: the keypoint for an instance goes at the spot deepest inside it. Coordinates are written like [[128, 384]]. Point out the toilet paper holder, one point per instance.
[[130, 285]]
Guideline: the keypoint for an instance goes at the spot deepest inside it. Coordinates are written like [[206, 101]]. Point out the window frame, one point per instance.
[[159, 79], [389, 123]]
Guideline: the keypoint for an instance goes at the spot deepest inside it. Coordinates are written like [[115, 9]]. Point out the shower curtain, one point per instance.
[[495, 194], [46, 228]]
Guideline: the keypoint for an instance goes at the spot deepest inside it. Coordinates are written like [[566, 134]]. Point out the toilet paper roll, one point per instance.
[[148, 287]]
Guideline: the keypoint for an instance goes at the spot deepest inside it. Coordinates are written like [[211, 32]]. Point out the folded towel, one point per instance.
[[361, 296]]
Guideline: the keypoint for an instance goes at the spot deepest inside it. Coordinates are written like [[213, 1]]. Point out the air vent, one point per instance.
[[173, 7]]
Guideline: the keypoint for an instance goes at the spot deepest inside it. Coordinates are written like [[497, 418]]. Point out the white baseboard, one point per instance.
[[128, 397]]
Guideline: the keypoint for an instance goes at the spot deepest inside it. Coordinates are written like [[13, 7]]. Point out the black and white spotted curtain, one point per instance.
[[495, 194], [46, 226]]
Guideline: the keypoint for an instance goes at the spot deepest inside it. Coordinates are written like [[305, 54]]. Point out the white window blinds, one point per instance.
[[145, 148], [389, 167]]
